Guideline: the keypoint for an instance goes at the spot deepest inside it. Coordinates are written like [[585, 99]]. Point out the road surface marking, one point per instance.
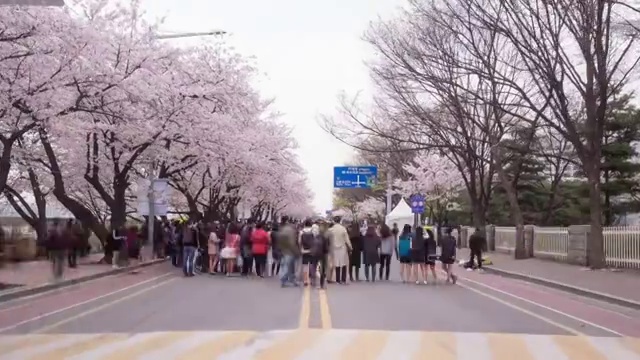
[[29, 351], [610, 347], [632, 344], [538, 305], [48, 328], [309, 344], [81, 347], [325, 313], [214, 348], [305, 309], [441, 345], [578, 347], [366, 345], [174, 350], [39, 317], [141, 347], [521, 309], [473, 346], [290, 347], [515, 348], [402, 342], [330, 345]]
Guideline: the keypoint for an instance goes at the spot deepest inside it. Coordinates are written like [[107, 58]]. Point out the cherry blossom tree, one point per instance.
[[371, 207], [102, 105], [435, 177]]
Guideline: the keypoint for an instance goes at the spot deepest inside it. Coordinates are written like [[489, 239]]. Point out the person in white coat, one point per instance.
[[340, 249]]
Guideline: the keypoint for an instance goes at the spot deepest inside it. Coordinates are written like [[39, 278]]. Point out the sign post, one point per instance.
[[417, 203], [354, 177]]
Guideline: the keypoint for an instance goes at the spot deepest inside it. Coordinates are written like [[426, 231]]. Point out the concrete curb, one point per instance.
[[34, 290], [565, 287]]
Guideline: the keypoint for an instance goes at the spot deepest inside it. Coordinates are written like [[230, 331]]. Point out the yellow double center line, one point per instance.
[[305, 309]]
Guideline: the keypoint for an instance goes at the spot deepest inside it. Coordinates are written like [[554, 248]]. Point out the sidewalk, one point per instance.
[[34, 273], [621, 286], [28, 278]]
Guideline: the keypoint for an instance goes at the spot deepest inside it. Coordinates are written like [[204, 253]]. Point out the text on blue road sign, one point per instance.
[[354, 176]]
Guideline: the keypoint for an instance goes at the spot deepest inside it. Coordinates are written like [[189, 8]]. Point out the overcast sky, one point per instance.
[[309, 51]]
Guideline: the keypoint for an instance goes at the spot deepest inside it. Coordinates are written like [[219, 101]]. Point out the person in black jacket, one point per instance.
[[476, 244], [355, 258], [448, 254]]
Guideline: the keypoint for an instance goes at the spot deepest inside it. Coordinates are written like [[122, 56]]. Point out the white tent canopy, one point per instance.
[[400, 215]]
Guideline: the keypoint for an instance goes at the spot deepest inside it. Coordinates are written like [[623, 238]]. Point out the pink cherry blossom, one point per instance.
[[433, 176]]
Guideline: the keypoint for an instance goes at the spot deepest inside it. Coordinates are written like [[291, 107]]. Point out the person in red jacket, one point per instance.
[[260, 247]]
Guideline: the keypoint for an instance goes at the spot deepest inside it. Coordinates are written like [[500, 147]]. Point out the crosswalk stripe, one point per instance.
[[400, 346], [16, 343], [178, 348], [366, 345], [29, 351], [104, 350], [632, 344], [544, 348], [292, 346], [139, 348], [316, 344], [259, 343], [471, 346], [578, 347], [611, 347], [81, 347], [508, 347], [219, 345], [441, 345], [329, 346]]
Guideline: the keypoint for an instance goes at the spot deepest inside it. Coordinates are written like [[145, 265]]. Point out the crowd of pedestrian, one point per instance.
[[311, 253]]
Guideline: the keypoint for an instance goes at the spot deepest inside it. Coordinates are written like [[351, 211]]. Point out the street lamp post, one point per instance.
[[56, 3], [151, 198]]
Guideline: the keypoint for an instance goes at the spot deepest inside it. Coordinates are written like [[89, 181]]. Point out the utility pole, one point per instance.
[[389, 192], [151, 198]]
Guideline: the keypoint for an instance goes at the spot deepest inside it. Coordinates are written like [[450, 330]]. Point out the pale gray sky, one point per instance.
[[309, 51]]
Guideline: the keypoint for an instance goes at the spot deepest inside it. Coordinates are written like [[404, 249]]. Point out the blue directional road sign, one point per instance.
[[417, 204], [350, 177]]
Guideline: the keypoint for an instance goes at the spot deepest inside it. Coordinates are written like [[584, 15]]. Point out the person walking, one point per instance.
[[56, 246], [231, 249], [306, 241], [260, 247], [245, 249], [418, 255], [213, 242], [190, 240], [387, 246], [288, 245], [340, 249], [276, 254], [371, 250], [404, 253]]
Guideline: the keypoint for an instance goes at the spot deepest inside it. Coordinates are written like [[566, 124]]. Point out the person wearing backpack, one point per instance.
[[307, 241], [403, 252], [320, 253]]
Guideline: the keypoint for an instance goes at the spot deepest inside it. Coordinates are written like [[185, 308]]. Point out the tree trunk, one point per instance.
[[595, 242], [119, 206]]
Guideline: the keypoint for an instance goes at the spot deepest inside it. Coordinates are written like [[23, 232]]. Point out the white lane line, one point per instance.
[[329, 346], [538, 305], [401, 345], [39, 317]]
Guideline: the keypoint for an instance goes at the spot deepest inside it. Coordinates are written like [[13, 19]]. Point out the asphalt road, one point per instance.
[[156, 309]]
